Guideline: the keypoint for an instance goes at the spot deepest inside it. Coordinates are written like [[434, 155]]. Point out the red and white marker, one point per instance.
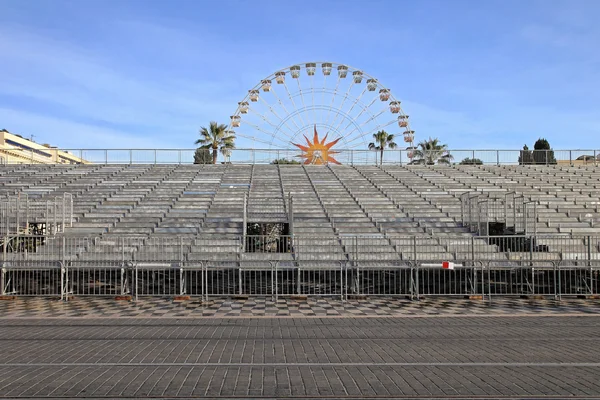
[[447, 265]]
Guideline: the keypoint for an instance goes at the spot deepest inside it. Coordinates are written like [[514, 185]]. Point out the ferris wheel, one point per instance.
[[321, 109]]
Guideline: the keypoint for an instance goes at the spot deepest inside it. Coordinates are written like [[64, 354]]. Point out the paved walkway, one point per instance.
[[459, 357], [261, 307], [318, 348]]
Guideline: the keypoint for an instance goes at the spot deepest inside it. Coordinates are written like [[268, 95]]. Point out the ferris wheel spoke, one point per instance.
[[312, 95], [281, 119], [373, 117], [301, 93], [285, 109], [346, 95], [293, 103], [258, 128], [362, 111], [354, 103], [266, 120], [334, 94], [366, 133]]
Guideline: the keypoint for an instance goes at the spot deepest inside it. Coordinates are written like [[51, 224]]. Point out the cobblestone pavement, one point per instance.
[[257, 307], [515, 349]]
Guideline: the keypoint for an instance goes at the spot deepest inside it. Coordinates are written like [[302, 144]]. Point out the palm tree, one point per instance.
[[216, 138], [431, 152], [382, 140]]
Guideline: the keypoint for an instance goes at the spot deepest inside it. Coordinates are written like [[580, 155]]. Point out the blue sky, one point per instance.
[[145, 74]]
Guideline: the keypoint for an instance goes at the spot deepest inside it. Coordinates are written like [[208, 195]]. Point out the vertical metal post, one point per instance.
[[130, 156], [179, 156], [245, 222], [355, 252], [155, 158], [515, 212], [525, 218], [589, 251], [462, 209], [417, 280], [26, 214], [136, 282], [203, 281], [342, 279], [18, 201], [4, 249], [400, 157], [64, 250], [559, 283], [181, 281], [291, 215], [105, 157], [489, 282], [352, 157], [554, 281], [473, 250], [122, 280], [570, 157], [55, 218], [298, 282], [2, 281], [414, 249], [240, 280], [62, 282], [535, 219], [497, 157], [276, 264], [531, 240]]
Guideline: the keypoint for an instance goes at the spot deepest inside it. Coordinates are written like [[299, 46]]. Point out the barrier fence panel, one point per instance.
[[193, 280], [435, 281], [220, 280], [34, 280], [385, 281], [322, 281], [97, 280], [508, 281], [286, 280], [157, 280], [576, 281], [547, 265]]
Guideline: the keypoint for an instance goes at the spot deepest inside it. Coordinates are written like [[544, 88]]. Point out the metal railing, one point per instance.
[[515, 212], [345, 156], [63, 266], [24, 214]]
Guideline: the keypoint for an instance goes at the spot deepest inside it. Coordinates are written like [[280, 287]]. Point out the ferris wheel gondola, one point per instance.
[[322, 100]]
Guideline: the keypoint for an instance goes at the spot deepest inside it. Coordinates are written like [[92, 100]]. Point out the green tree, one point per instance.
[[525, 157], [542, 152], [203, 156], [471, 161], [217, 139], [382, 140], [284, 161], [430, 152]]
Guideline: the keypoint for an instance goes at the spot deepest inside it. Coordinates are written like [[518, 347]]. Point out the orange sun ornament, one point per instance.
[[318, 152]]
